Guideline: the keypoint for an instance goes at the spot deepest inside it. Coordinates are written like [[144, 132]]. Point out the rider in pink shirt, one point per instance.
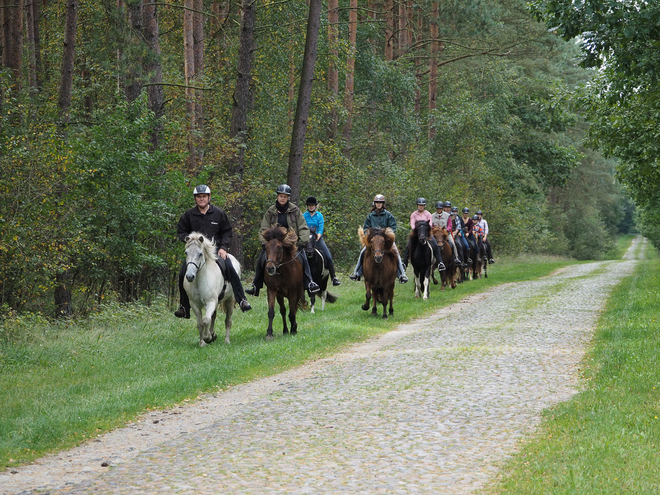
[[421, 214]]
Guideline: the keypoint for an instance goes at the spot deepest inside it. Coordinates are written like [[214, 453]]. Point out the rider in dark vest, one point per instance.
[[214, 224], [288, 216]]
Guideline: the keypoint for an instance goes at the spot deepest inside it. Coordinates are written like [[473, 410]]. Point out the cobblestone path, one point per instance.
[[433, 407]]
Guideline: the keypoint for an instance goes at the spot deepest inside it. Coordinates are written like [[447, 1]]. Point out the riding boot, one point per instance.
[[184, 302], [308, 282], [357, 273], [258, 281], [236, 286], [454, 254], [400, 270]]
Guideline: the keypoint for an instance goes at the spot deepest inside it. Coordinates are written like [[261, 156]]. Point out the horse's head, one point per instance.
[[280, 245], [422, 230], [440, 234], [380, 241], [311, 245], [199, 249]]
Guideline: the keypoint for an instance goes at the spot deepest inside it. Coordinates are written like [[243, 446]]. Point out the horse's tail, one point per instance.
[[329, 297]]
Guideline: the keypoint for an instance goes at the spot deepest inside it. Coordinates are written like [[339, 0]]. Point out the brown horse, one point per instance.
[[283, 275], [481, 263], [452, 272], [379, 268]]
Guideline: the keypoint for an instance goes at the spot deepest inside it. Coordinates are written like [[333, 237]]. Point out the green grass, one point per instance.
[[61, 384], [606, 439]]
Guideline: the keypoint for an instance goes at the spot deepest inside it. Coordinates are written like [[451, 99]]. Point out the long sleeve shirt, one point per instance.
[[315, 221], [417, 215]]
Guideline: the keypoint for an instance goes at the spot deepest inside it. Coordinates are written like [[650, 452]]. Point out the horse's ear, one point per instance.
[[187, 239], [200, 239]]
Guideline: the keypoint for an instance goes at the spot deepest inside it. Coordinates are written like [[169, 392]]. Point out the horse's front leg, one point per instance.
[[312, 301], [418, 284], [212, 326], [271, 314], [426, 286], [209, 315], [367, 288], [391, 301], [435, 282], [293, 307], [280, 301], [200, 323]]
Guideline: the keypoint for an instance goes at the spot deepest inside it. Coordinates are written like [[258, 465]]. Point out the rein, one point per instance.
[[278, 265]]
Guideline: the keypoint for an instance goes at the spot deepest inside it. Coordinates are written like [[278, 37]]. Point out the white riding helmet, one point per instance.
[[201, 189]]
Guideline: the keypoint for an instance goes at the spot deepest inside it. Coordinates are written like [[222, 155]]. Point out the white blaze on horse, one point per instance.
[[206, 286]]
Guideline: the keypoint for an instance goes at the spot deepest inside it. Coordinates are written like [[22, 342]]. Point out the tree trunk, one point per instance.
[[350, 72], [66, 80], [134, 72], [304, 100], [433, 68], [402, 35], [333, 71], [239, 129], [12, 34], [63, 306], [153, 69], [31, 28], [198, 53], [189, 71], [389, 30]]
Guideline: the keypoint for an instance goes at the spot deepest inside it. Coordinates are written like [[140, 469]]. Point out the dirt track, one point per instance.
[[432, 407]]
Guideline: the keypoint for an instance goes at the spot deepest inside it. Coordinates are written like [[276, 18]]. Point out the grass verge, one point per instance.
[[62, 384], [606, 439]]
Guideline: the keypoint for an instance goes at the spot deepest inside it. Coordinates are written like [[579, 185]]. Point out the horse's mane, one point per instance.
[[288, 238], [207, 245], [365, 237], [413, 232]]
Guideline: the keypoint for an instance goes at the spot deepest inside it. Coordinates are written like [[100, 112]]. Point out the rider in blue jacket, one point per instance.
[[316, 221], [379, 218]]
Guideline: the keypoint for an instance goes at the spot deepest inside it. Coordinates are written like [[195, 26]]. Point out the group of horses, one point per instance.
[[208, 289], [424, 263]]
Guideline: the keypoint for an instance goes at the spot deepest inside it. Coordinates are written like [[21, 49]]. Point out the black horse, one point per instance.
[[422, 257], [319, 269]]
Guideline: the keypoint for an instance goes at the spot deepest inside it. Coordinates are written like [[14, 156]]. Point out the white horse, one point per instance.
[[204, 283]]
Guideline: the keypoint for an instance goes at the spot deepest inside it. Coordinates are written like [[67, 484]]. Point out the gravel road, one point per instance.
[[434, 406]]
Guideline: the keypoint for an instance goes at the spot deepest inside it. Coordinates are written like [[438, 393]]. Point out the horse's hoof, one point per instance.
[[294, 332], [202, 343], [285, 332], [374, 312], [269, 337], [214, 337], [365, 307], [384, 316]]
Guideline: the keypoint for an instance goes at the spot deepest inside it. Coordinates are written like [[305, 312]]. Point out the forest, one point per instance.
[[113, 110]]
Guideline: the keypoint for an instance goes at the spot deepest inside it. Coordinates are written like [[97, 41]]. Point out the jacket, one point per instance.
[[380, 220], [214, 224], [295, 219]]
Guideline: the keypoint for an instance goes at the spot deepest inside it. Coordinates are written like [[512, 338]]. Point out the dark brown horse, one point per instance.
[[379, 268], [283, 275], [450, 275]]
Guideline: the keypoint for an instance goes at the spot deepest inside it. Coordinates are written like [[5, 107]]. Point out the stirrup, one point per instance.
[[253, 291], [335, 281], [354, 277], [313, 288]]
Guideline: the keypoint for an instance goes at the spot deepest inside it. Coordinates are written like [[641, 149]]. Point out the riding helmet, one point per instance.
[[201, 189], [466, 210], [284, 189], [379, 198], [447, 204], [421, 201], [475, 217], [479, 212], [311, 200], [438, 205], [454, 209]]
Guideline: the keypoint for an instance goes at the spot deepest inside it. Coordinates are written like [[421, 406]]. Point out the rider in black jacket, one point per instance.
[[214, 224]]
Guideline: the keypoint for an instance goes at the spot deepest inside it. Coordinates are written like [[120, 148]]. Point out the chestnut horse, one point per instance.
[[283, 275], [379, 268], [452, 273]]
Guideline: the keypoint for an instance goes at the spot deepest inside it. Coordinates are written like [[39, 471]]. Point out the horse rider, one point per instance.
[[484, 225], [478, 232], [441, 218], [379, 218], [315, 219], [422, 214], [459, 235], [214, 224], [289, 216], [468, 227]]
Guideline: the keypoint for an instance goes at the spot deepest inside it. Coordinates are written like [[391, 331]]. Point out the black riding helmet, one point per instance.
[[479, 212], [284, 189], [466, 210], [439, 205], [447, 204], [454, 209], [311, 200], [475, 217], [421, 201]]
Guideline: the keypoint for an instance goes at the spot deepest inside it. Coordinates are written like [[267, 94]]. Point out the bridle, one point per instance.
[[278, 264]]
